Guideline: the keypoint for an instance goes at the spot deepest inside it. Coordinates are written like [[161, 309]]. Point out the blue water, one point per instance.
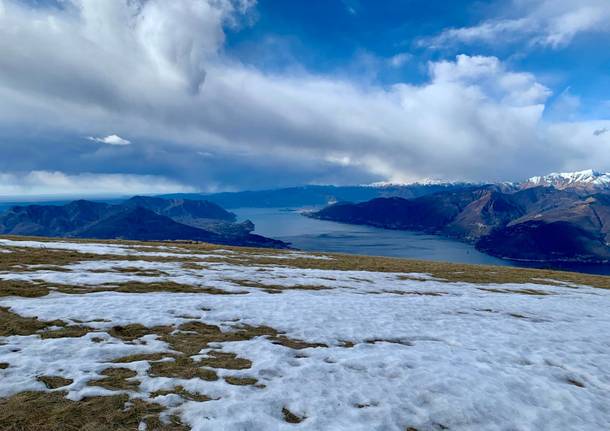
[[319, 235]]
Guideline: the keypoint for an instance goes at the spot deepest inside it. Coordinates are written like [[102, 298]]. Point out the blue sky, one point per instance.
[[149, 96], [345, 37]]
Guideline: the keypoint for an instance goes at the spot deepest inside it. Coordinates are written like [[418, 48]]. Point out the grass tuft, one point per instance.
[[179, 390], [182, 367], [117, 379], [54, 382], [291, 418], [241, 381], [225, 360]]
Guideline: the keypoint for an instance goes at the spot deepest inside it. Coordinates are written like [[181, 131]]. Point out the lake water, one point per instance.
[[319, 235]]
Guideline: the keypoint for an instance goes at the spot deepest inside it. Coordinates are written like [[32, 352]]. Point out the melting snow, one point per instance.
[[426, 354]]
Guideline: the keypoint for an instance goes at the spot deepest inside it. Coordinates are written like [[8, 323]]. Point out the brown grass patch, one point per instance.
[[291, 418], [134, 331], [225, 360], [4, 365], [18, 260], [14, 324], [25, 289], [179, 390], [148, 357], [54, 382], [449, 272], [182, 367], [275, 288], [191, 338], [140, 287], [242, 381], [116, 379], [292, 343], [533, 292], [413, 293], [36, 411]]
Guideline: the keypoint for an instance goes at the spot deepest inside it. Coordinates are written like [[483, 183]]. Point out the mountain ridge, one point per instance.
[[536, 223], [138, 218]]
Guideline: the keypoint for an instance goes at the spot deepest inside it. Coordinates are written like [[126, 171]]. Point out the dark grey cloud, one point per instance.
[[600, 132]]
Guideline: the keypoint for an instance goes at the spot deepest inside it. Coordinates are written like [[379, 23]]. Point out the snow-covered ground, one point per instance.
[[402, 351]]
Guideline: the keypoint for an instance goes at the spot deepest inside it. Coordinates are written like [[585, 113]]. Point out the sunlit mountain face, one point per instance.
[[142, 97]]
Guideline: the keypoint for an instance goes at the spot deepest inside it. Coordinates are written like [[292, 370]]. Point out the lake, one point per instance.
[[319, 235]]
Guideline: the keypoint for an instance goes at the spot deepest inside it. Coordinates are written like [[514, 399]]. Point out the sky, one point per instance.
[[150, 96]]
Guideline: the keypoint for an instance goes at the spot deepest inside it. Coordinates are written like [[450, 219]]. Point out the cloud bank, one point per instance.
[[45, 183], [156, 71]]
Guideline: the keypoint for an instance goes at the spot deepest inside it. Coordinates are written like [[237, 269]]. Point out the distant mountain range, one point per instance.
[[560, 217], [556, 217], [316, 196], [138, 218], [321, 195]]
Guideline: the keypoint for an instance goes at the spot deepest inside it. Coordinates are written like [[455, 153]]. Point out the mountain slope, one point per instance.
[[542, 223], [139, 218], [181, 209]]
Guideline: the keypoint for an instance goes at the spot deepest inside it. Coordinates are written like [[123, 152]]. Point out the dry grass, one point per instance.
[[148, 357], [20, 258], [14, 324], [182, 367], [291, 418], [4, 365], [25, 289], [275, 288], [292, 343], [190, 339], [38, 411], [179, 390], [135, 330], [140, 287], [533, 292], [242, 381], [228, 361], [54, 382], [411, 293], [117, 379]]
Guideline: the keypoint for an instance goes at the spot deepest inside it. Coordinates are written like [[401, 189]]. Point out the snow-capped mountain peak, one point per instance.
[[421, 182], [589, 179]]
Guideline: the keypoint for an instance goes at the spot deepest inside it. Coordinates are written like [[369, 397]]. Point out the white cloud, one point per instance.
[[155, 71], [400, 59], [45, 183], [552, 23], [110, 140]]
